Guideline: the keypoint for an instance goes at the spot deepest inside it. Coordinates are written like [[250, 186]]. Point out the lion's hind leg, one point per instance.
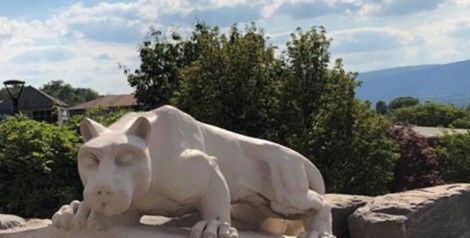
[[294, 197], [290, 185]]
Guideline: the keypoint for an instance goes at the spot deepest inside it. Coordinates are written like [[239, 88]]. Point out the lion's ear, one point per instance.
[[90, 129], [140, 128]]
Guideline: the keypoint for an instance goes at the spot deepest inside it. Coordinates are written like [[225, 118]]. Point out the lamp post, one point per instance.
[[14, 88]]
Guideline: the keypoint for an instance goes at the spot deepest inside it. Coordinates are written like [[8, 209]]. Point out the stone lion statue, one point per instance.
[[164, 162]]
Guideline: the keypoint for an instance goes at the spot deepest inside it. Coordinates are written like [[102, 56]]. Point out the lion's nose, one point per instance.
[[103, 191]]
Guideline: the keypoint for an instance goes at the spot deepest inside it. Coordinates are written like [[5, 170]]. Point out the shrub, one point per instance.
[[401, 102], [429, 114], [101, 115], [418, 165], [37, 167], [462, 122], [453, 152]]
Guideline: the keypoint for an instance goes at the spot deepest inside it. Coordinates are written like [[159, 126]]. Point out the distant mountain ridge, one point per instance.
[[448, 83]]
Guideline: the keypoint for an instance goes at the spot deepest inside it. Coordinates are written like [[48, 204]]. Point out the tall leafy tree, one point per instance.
[[307, 60], [381, 107], [67, 93], [162, 57], [325, 123], [432, 114], [453, 151], [401, 102], [233, 84]]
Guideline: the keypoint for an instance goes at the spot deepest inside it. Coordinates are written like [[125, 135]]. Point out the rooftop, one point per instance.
[[122, 100]]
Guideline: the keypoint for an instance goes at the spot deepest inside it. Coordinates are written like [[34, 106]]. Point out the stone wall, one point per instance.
[[442, 211]]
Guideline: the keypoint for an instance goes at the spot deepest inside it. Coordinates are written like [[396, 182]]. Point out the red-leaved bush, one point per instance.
[[418, 165]]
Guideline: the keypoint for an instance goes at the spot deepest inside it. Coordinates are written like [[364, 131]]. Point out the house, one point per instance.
[[121, 101], [35, 104], [432, 134]]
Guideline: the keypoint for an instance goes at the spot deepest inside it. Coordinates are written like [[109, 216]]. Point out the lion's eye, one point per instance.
[[125, 159], [90, 160]]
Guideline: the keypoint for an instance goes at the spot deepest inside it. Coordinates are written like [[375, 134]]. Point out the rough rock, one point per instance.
[[442, 211], [342, 206], [10, 221]]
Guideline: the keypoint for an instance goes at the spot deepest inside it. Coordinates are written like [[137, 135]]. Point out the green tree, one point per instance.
[[463, 122], [453, 151], [429, 114], [38, 170], [307, 59], [381, 107], [3, 94], [373, 155], [322, 120], [162, 57], [67, 93], [233, 83], [401, 102]]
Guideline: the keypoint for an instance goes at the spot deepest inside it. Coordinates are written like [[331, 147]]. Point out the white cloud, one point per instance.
[[105, 56], [43, 54], [463, 3], [371, 39], [83, 44]]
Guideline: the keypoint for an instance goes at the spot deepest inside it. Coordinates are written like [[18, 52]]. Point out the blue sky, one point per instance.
[[83, 42]]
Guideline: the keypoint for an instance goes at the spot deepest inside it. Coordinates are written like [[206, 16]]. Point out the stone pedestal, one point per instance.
[[43, 229]]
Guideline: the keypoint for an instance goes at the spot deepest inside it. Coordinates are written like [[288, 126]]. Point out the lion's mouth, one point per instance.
[[109, 206]]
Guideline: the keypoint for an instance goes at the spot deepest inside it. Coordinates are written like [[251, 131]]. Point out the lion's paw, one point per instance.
[[74, 216], [213, 229], [314, 234]]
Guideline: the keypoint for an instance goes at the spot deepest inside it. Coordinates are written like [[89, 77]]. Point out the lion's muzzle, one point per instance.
[[106, 200]]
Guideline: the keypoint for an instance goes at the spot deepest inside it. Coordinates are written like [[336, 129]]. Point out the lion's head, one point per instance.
[[114, 166]]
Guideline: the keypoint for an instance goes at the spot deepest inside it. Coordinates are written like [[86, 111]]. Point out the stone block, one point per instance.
[[435, 212], [342, 206]]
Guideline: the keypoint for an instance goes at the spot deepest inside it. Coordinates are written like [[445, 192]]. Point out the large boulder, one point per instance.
[[342, 206], [10, 221], [442, 211]]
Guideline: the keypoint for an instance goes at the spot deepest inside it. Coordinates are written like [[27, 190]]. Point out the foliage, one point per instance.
[[326, 123], [157, 78], [463, 122], [105, 116], [381, 107], [401, 102], [37, 167], [306, 82], [418, 165], [369, 167], [429, 114], [233, 83], [454, 157], [68, 94], [3, 94]]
